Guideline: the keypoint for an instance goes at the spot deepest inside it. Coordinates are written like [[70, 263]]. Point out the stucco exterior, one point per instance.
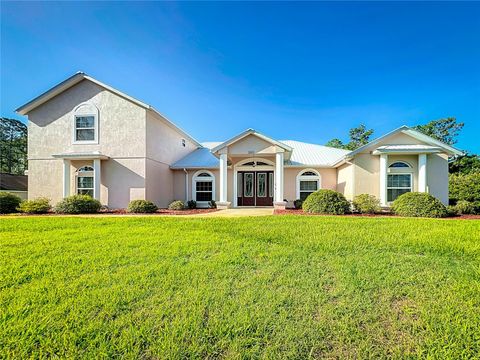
[[136, 149]]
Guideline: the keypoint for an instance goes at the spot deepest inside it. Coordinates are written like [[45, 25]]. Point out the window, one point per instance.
[[399, 164], [183, 142], [398, 184], [308, 181], [85, 124], [85, 181], [203, 186], [255, 163]]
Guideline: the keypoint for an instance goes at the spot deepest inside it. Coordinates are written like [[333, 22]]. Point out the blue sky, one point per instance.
[[303, 71]]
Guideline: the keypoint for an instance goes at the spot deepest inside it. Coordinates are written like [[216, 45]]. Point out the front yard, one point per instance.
[[272, 287]]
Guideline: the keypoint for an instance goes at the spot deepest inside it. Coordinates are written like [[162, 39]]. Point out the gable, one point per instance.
[[251, 143]]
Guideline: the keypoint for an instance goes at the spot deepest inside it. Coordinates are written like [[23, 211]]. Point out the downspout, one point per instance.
[[186, 185]]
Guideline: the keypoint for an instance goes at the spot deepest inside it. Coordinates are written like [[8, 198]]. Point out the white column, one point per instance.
[[279, 177], [66, 178], [383, 179], [223, 177], [422, 172], [97, 178]]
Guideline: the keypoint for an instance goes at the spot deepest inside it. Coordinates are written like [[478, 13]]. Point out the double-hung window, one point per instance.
[[85, 128], [203, 187], [307, 182], [85, 179], [398, 184]]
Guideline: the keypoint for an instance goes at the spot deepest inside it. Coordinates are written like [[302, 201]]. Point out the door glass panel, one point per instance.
[[270, 184], [261, 184], [248, 185]]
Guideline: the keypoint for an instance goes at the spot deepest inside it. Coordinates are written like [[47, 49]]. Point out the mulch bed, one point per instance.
[[301, 212]]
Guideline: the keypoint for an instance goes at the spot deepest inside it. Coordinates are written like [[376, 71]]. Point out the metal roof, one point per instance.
[[395, 149], [200, 158]]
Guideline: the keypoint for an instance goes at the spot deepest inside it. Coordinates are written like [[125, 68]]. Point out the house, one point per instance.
[[86, 137], [14, 184]]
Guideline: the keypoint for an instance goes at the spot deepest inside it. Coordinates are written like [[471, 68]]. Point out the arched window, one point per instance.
[[399, 164], [203, 187], [85, 124], [308, 181], [85, 180]]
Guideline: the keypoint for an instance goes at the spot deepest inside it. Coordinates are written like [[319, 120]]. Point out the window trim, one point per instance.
[[398, 187], [196, 178], [90, 110], [83, 172], [301, 177]]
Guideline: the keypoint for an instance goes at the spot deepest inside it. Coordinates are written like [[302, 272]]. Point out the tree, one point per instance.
[[358, 136], [467, 164], [13, 146], [445, 130]]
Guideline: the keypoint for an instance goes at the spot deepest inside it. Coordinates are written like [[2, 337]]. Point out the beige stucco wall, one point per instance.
[[328, 180], [437, 176], [345, 180], [251, 143]]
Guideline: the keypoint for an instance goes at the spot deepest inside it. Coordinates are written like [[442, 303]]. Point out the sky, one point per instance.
[[301, 71]]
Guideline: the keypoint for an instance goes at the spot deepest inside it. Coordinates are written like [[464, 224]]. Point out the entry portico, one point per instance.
[[258, 170]]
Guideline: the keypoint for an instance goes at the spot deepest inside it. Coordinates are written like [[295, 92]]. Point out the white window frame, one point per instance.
[[400, 168], [85, 110], [82, 172], [399, 187], [301, 177], [196, 178]]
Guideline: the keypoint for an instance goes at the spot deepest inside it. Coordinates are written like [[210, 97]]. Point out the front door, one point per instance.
[[255, 188]]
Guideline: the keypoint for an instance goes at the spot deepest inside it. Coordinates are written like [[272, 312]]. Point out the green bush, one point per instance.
[[466, 207], [366, 204], [464, 187], [326, 202], [176, 205], [36, 206], [78, 204], [192, 204], [419, 204], [141, 206], [9, 203], [297, 204]]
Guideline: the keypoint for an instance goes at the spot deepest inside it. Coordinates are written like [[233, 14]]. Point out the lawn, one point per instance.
[[266, 287]]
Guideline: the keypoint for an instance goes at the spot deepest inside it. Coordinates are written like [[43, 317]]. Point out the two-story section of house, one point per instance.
[[86, 137]]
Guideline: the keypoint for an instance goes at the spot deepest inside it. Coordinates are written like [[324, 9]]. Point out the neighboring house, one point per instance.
[[86, 137], [15, 184]]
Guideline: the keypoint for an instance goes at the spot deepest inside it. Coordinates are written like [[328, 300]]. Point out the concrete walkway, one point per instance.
[[236, 212]]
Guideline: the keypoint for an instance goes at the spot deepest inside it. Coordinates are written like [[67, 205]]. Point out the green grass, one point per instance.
[[266, 287]]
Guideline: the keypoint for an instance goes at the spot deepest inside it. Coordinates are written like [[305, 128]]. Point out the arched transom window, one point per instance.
[[399, 164], [85, 180], [308, 181], [203, 187]]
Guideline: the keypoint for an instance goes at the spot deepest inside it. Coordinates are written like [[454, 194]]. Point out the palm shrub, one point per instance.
[[36, 206], [418, 204], [78, 204], [176, 205], [297, 204], [9, 203], [326, 202], [366, 204], [191, 204], [141, 206]]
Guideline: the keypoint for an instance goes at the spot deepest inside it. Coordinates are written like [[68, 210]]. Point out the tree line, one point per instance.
[[13, 146]]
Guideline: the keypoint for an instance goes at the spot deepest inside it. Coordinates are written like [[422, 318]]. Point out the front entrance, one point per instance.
[[255, 188]]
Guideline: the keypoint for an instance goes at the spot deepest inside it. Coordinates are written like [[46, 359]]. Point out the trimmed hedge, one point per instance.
[[141, 206], [417, 204], [36, 206], [326, 202], [78, 204], [176, 205], [464, 187], [366, 204], [464, 207], [9, 203]]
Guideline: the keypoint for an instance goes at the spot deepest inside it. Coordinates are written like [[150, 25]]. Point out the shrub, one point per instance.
[[326, 202], [191, 204], [419, 204], [78, 204], [141, 206], [464, 187], [36, 206], [297, 204], [176, 205], [212, 204], [9, 203], [466, 207], [366, 204]]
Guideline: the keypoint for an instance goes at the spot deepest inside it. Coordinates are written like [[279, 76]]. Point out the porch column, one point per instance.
[[422, 172], [279, 177], [66, 178], [97, 176], [223, 178], [383, 179]]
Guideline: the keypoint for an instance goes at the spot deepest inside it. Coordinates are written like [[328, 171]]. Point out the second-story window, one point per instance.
[[84, 128]]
